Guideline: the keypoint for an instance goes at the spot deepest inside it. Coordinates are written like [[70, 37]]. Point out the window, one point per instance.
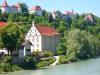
[[37, 40]]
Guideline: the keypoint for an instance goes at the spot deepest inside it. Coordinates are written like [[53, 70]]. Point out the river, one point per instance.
[[86, 67]]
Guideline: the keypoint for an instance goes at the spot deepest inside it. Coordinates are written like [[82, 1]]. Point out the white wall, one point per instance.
[[35, 38], [38, 13], [10, 9]]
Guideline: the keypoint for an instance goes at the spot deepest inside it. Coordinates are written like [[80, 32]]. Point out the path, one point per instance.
[[57, 60]]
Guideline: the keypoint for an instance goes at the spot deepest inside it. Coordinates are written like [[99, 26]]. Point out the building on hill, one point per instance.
[[56, 14], [5, 8], [69, 14], [36, 10], [89, 18], [39, 38]]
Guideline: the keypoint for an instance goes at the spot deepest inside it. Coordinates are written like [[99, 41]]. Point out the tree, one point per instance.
[[11, 18], [9, 36], [24, 9], [62, 27], [0, 11], [74, 24], [93, 42], [76, 44], [82, 24], [31, 17]]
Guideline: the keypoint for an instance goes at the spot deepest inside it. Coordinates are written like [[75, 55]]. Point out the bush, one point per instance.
[[63, 59], [51, 60], [15, 67], [61, 52], [29, 63], [48, 54], [6, 67], [41, 64], [7, 59]]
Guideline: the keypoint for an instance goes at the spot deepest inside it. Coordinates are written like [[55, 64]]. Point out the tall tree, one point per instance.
[[24, 9], [11, 18], [9, 36]]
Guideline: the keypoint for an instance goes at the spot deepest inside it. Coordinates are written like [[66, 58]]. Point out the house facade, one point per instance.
[[36, 10], [5, 8], [39, 38]]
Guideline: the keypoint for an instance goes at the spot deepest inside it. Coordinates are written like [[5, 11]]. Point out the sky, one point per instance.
[[79, 6]]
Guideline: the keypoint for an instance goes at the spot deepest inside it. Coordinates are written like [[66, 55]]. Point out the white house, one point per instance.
[[89, 18], [56, 14], [36, 10], [5, 8], [69, 14], [39, 38]]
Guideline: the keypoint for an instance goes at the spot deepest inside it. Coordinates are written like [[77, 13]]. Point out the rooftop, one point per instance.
[[2, 24], [47, 31]]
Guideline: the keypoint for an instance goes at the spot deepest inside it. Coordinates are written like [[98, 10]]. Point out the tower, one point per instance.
[[5, 3]]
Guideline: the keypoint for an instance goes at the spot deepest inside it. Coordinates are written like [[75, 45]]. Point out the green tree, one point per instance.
[[76, 44], [11, 18], [9, 37], [30, 18], [24, 9]]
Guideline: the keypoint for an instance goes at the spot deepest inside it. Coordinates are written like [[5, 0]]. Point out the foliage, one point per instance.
[[48, 54], [12, 36], [80, 38], [63, 59], [6, 65], [51, 60], [7, 59], [81, 44], [41, 64]]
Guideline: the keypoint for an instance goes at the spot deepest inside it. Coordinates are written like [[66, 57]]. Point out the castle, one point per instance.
[[5, 8]]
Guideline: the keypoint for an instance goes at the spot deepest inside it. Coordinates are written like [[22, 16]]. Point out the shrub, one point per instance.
[[51, 60], [28, 59], [15, 67], [29, 63], [48, 54], [61, 52], [41, 64], [63, 59], [6, 67], [7, 59]]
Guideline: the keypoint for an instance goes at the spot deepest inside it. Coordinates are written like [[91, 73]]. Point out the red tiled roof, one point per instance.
[[2, 24], [36, 8], [89, 17], [45, 30]]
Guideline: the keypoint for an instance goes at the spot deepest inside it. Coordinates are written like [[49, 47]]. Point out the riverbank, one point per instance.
[[86, 67], [29, 64]]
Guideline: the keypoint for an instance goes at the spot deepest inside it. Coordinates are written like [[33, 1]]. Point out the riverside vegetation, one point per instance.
[[79, 38]]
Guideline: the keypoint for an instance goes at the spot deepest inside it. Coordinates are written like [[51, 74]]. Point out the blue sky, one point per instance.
[[80, 6]]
